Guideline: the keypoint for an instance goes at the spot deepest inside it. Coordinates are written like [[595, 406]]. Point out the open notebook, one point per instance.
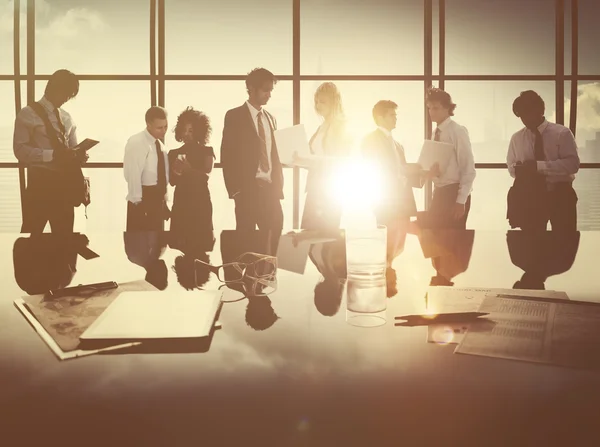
[[156, 315]]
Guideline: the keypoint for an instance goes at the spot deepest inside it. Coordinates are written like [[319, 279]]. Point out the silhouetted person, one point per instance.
[[330, 143], [397, 202], [146, 170], [45, 262], [44, 138], [251, 167], [451, 200], [189, 169], [542, 157], [145, 248], [541, 254], [259, 312], [194, 246], [330, 260], [450, 252], [190, 274]]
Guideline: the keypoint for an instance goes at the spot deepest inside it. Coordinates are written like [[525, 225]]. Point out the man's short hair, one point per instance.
[[382, 107], [435, 94], [528, 101], [62, 83], [259, 77], [155, 113]]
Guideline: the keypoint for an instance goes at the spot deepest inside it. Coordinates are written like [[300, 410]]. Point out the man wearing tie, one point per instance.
[[44, 138], [542, 158], [146, 170], [452, 189], [397, 202], [251, 167]]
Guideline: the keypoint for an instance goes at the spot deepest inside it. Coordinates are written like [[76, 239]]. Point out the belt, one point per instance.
[[554, 186]]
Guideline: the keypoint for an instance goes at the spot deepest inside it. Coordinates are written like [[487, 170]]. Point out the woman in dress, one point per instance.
[[328, 144], [190, 165]]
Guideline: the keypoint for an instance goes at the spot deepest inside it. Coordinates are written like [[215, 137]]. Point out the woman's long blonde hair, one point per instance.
[[330, 90]]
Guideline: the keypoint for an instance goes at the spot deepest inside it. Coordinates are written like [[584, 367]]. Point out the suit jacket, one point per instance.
[[397, 185], [240, 152]]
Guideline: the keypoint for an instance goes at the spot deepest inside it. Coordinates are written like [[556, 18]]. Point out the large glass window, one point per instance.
[[108, 37], [500, 37], [108, 111], [589, 36], [228, 36], [485, 109], [7, 120], [358, 37], [588, 121], [215, 98]]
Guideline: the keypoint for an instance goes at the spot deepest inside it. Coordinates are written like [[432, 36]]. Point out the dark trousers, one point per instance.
[[150, 214], [440, 213], [258, 206], [38, 211], [560, 208]]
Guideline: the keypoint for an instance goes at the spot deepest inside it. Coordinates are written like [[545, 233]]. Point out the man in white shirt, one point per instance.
[[251, 167], [542, 158], [146, 170], [452, 193]]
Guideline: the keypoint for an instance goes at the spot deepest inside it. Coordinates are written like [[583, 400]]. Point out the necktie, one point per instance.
[[62, 133], [437, 134], [263, 161], [538, 147], [161, 170]]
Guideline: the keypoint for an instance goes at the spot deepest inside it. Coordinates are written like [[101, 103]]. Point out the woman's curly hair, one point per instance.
[[200, 125]]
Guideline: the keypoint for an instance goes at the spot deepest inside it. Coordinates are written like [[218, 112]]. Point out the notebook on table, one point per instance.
[[156, 315]]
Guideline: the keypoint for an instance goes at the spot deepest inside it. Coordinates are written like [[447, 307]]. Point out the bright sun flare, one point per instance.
[[356, 184]]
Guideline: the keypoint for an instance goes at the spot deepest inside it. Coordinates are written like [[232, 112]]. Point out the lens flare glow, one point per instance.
[[356, 184]]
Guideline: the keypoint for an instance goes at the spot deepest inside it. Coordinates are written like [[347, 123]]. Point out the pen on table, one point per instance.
[[439, 318]]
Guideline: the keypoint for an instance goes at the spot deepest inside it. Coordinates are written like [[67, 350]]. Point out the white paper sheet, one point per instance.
[[560, 333], [442, 299], [290, 140], [156, 315], [435, 151]]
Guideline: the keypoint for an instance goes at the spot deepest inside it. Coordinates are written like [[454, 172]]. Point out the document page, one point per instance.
[[559, 333]]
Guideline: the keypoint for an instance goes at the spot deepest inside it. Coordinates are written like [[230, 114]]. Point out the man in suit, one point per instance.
[[397, 177], [251, 167]]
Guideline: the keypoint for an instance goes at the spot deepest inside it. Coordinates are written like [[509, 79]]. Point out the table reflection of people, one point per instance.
[[330, 260], [260, 314], [145, 249], [46, 261], [541, 255], [450, 252], [193, 246]]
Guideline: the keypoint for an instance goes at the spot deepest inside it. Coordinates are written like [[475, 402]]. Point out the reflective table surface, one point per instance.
[[286, 369]]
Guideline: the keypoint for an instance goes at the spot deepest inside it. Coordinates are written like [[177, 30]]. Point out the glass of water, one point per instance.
[[366, 254]]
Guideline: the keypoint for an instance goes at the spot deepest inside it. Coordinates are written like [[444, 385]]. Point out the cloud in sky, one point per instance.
[[588, 111], [52, 22]]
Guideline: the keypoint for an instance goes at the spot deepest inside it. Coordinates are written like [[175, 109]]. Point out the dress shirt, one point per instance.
[[268, 139], [461, 168], [560, 149], [30, 142], [140, 164]]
